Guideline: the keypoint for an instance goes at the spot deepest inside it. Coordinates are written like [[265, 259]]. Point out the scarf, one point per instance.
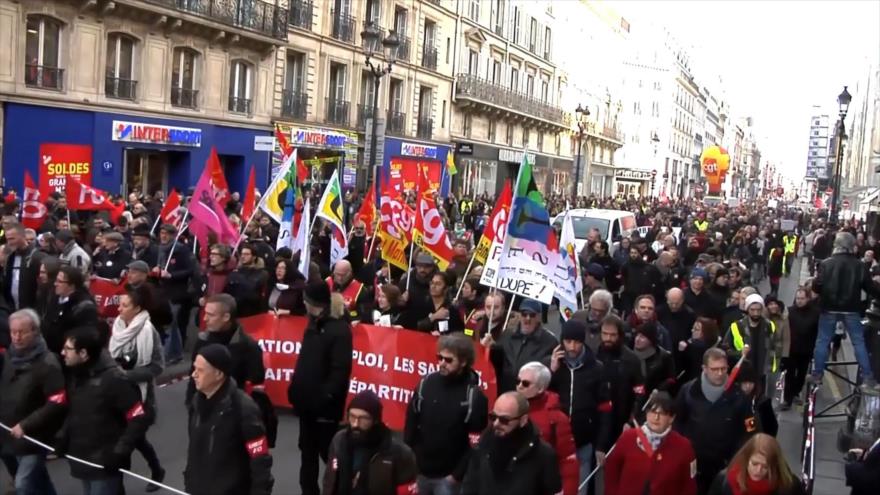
[[655, 438], [22, 358], [644, 356], [712, 392], [578, 361], [635, 321], [137, 336], [753, 487], [503, 449]]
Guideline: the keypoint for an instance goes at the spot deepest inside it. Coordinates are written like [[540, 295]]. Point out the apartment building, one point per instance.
[[132, 94]]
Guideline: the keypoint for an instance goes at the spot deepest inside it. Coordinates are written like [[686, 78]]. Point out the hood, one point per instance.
[[547, 401]]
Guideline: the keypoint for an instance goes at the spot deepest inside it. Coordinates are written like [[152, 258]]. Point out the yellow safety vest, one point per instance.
[[701, 226], [738, 340], [790, 243]]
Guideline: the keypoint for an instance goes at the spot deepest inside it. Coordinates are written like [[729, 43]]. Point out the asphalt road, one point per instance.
[[169, 436]]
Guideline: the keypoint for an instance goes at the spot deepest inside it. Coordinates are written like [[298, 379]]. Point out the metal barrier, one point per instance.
[[808, 451], [824, 413]]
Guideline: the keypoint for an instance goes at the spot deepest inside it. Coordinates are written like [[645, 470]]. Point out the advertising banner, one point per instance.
[[59, 161], [388, 361], [403, 174]]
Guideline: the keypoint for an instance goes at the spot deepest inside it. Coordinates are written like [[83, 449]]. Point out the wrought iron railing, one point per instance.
[[294, 104], [123, 89], [364, 112], [337, 112], [240, 105], [429, 57], [41, 76], [403, 48], [258, 16], [396, 123], [374, 45], [425, 129], [473, 87], [184, 97], [343, 27], [302, 14]]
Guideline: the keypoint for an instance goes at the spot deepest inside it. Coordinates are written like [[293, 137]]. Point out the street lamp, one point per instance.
[[370, 35], [656, 141], [580, 116], [843, 103]]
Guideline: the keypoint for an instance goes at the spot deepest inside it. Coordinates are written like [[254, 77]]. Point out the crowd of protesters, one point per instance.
[[639, 382]]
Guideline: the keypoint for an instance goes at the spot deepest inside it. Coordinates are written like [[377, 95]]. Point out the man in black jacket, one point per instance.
[[228, 451], [113, 257], [839, 282], [221, 327], [696, 296], [624, 371], [174, 269], [584, 395], [106, 416], [320, 381], [529, 342], [510, 457], [445, 417], [159, 308], [638, 277], [34, 401], [803, 325], [248, 283], [22, 269], [656, 362], [72, 305], [678, 320], [143, 247]]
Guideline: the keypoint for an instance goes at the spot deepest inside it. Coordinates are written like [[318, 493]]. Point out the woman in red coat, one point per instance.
[[652, 459], [554, 425]]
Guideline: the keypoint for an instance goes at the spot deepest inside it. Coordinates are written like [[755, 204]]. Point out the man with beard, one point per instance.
[[696, 297], [143, 247], [623, 371], [511, 458], [249, 282], [600, 305], [678, 320], [416, 288], [445, 416], [365, 458], [757, 336], [357, 246], [639, 277], [495, 308], [352, 291]]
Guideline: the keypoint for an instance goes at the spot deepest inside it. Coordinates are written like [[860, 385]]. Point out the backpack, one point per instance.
[[267, 413]]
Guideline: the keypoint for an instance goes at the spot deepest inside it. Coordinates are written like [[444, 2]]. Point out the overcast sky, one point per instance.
[[777, 58]]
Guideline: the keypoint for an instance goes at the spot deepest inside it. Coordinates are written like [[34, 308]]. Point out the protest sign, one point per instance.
[[107, 293]]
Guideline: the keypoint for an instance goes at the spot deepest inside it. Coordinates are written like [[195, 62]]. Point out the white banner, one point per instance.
[[527, 269]]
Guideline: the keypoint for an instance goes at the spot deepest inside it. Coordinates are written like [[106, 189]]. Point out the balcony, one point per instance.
[[429, 57], [613, 134], [403, 48], [240, 105], [122, 89], [257, 16], [343, 27], [374, 45], [41, 76], [364, 112], [337, 112], [294, 104], [184, 98], [425, 129], [302, 14], [396, 123], [501, 102]]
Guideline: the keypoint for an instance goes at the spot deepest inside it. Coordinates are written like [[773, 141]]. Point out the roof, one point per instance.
[[599, 213]]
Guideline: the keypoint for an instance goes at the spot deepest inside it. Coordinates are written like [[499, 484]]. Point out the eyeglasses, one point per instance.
[[445, 359], [528, 314], [58, 280], [524, 383], [504, 420]]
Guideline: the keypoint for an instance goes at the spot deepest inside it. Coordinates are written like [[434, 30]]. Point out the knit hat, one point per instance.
[[367, 400], [317, 294], [721, 272], [596, 271], [649, 331], [699, 273], [754, 299], [771, 298], [139, 266], [530, 305], [217, 355], [574, 330]]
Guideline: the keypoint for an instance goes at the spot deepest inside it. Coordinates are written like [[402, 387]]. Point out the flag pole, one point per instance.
[[183, 225], [155, 224], [372, 244], [509, 309], [409, 266], [464, 277]]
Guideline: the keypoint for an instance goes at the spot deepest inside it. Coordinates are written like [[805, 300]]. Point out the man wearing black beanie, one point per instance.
[[365, 458], [319, 385]]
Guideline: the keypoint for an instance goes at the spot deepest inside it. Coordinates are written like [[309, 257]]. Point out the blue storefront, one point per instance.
[[127, 151], [409, 153]]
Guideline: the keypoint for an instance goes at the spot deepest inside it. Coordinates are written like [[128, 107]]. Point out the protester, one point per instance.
[[72, 305], [72, 253], [174, 268], [624, 372], [22, 269], [388, 307], [863, 469], [758, 467], [286, 296], [655, 361], [111, 261], [353, 294], [443, 317], [803, 322], [248, 284], [759, 336], [528, 342], [704, 335]]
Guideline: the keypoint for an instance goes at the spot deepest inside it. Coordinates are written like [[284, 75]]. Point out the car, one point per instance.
[[612, 225]]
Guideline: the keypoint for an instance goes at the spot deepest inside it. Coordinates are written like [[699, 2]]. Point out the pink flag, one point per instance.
[[206, 212]]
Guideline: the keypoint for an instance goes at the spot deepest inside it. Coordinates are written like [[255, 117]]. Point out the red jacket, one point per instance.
[[555, 429], [670, 470]]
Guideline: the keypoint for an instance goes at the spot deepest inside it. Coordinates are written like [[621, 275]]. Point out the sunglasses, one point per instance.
[[528, 314], [445, 359], [504, 420], [524, 383]]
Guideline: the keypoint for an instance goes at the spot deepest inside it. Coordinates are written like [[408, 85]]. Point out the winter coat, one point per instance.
[[391, 468], [106, 417], [585, 396], [624, 372], [722, 486], [248, 285], [700, 303], [659, 371], [111, 265], [784, 333], [149, 255], [247, 356], [78, 310], [763, 343], [669, 470], [863, 475], [803, 324], [29, 272], [531, 471], [76, 257], [444, 419], [181, 269], [515, 349], [33, 395], [840, 281], [228, 452], [555, 428], [319, 386]]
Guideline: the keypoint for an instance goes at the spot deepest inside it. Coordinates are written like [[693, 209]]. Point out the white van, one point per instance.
[[612, 224]]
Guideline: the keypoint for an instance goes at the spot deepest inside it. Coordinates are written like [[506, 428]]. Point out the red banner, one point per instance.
[[60, 161], [107, 293], [404, 173], [33, 211], [388, 361]]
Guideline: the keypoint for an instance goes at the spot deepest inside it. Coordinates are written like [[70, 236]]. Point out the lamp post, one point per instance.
[[843, 103], [656, 141], [580, 115], [370, 35]]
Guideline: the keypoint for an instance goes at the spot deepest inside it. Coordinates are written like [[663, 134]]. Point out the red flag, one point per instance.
[[367, 212], [207, 211], [83, 197], [170, 210], [33, 211], [218, 179], [430, 233], [643, 440], [302, 172], [247, 208]]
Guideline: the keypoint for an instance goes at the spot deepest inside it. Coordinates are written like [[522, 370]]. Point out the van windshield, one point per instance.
[[582, 226]]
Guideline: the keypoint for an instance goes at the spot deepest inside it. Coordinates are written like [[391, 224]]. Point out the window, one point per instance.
[[294, 100], [545, 90], [474, 10], [498, 12], [548, 35], [530, 85], [368, 91], [473, 63], [337, 105], [816, 122], [540, 141], [467, 125], [533, 35], [496, 72], [42, 53], [443, 116], [400, 21], [525, 137], [509, 134], [119, 78], [396, 117], [183, 78], [448, 49], [240, 87], [426, 105], [373, 12], [517, 29], [514, 79], [493, 128]]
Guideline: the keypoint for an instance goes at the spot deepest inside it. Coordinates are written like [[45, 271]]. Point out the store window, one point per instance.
[[43, 53], [119, 75], [183, 78]]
